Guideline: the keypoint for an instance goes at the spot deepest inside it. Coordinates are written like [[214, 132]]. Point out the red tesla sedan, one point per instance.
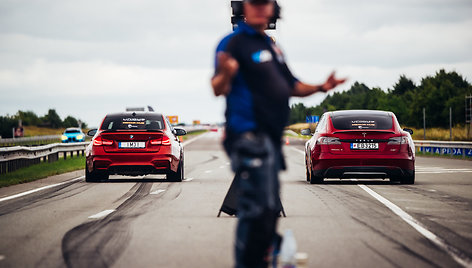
[[134, 144], [360, 144]]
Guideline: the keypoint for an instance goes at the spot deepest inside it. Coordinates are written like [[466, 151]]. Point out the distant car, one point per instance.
[[360, 144], [73, 134], [134, 144]]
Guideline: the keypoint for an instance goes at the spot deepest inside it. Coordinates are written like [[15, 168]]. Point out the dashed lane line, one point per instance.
[[39, 189], [158, 192], [102, 214], [2, 257], [456, 254]]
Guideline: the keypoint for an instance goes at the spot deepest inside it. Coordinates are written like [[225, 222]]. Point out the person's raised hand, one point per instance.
[[332, 82], [227, 64]]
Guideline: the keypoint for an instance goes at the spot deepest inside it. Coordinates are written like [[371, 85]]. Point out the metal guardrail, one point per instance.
[[29, 140], [14, 158], [458, 148]]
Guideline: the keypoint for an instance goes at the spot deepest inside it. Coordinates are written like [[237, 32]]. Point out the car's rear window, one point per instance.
[[364, 121], [70, 131], [138, 122]]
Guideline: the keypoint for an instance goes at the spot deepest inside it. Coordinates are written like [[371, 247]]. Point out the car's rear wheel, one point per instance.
[[307, 171], [315, 179], [408, 179], [179, 175], [95, 176]]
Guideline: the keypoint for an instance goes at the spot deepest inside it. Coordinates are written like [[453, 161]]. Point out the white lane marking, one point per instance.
[[457, 255], [209, 171], [158, 191], [102, 214], [2, 257], [222, 166], [188, 179], [39, 189], [194, 139], [297, 150]]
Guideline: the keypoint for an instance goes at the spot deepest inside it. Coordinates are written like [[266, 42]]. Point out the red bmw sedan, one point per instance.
[[134, 144], [360, 144]]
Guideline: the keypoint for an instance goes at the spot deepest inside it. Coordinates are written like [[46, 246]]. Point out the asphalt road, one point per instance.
[[148, 222]]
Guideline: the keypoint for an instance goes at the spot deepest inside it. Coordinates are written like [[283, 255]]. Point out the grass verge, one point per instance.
[[193, 134], [42, 170]]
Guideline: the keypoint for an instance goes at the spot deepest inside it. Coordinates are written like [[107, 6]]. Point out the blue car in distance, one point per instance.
[[73, 134]]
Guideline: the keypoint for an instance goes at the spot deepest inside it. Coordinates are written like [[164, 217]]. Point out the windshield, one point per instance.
[[138, 122], [71, 131], [364, 121]]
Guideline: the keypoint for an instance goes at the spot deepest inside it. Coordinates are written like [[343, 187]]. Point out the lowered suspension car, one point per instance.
[[135, 144], [360, 144]]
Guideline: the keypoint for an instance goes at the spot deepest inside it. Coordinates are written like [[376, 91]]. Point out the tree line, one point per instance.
[[29, 118], [406, 99]]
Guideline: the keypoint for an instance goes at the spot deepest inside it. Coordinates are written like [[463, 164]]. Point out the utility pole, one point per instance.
[[424, 124], [450, 123]]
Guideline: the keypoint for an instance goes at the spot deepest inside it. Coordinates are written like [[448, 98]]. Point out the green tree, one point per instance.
[[28, 118], [52, 119], [7, 123], [70, 122]]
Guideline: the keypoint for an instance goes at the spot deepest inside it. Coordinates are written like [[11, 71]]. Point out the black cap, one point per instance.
[[259, 1]]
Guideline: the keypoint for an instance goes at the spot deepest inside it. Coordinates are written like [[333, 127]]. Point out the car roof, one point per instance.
[[73, 128], [133, 114], [360, 112]]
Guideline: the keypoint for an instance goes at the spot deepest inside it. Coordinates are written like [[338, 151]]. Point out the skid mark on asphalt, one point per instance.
[[41, 197], [402, 246], [99, 243], [40, 189], [456, 254]]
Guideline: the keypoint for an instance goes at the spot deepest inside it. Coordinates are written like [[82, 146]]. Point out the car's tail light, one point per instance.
[[99, 141], [328, 141], [164, 141], [398, 140]]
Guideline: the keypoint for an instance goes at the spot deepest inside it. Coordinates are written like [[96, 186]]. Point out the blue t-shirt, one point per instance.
[[260, 91]]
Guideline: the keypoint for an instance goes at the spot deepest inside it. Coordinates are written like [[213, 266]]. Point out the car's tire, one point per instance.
[[179, 175], [315, 179], [408, 179], [307, 171], [95, 176]]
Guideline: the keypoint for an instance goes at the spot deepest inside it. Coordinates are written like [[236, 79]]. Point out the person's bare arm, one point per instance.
[[227, 67], [302, 89]]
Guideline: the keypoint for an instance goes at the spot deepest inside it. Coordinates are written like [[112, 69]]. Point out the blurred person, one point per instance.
[[250, 71]]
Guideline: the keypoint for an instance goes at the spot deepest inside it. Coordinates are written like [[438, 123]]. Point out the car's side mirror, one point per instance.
[[408, 130], [306, 132], [180, 132], [92, 132]]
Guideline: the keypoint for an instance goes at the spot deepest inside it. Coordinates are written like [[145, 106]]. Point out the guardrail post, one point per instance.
[[3, 167], [65, 155]]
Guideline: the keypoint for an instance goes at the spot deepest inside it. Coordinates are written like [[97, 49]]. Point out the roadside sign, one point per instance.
[[173, 119], [312, 119]]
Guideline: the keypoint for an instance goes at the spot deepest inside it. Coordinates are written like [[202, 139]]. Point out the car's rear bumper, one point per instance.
[[356, 167], [134, 164], [364, 172]]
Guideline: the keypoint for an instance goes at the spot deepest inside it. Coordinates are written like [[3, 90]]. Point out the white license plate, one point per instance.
[[364, 146], [132, 144]]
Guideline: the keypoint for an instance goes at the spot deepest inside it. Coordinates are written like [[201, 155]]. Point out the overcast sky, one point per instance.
[[88, 58]]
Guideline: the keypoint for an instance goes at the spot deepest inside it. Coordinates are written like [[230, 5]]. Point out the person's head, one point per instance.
[[258, 12]]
